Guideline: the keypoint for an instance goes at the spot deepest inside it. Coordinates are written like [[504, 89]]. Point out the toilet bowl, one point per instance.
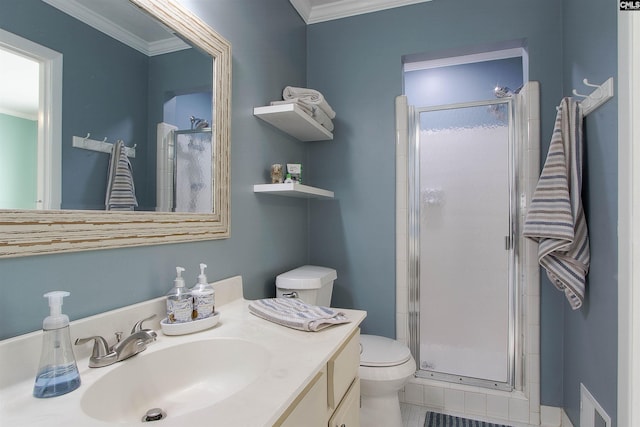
[[385, 367], [385, 364]]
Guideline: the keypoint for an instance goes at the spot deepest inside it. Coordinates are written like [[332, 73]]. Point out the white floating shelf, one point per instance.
[[293, 190], [293, 120]]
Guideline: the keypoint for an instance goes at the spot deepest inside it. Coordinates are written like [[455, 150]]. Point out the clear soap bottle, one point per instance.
[[179, 301], [57, 373], [203, 297]]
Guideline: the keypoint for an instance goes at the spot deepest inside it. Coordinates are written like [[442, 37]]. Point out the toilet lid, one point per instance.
[[382, 351]]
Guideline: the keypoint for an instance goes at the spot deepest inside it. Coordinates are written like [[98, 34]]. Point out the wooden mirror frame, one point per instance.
[[32, 232]]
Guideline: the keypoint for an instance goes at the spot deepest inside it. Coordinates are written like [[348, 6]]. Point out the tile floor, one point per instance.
[[412, 415]]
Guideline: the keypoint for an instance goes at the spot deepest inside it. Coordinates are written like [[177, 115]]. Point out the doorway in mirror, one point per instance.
[[30, 124]]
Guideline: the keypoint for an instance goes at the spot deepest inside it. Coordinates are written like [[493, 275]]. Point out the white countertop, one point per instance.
[[295, 357]]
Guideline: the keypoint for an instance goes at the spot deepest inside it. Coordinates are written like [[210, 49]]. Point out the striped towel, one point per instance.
[[296, 314], [121, 193], [555, 218]]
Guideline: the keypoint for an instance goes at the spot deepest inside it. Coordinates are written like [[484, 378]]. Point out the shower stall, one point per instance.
[[467, 282], [185, 168], [462, 203]]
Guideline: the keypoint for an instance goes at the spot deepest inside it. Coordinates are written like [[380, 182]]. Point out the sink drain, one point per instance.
[[154, 414]]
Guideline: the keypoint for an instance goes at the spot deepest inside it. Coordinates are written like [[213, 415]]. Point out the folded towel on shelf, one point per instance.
[[306, 107], [296, 314], [556, 218], [121, 193], [313, 110], [308, 96]]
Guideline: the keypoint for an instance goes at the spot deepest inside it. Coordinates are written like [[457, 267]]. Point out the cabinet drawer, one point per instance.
[[343, 368], [348, 412], [310, 410]]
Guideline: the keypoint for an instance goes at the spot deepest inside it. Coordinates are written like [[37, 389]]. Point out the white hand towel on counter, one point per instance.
[[309, 96], [121, 193], [556, 218], [296, 314]]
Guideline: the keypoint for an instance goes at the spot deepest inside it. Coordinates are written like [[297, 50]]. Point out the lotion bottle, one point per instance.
[[57, 373], [203, 297], [179, 301]]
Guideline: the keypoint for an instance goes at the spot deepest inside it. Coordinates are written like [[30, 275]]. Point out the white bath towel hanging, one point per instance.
[[121, 193], [556, 218]]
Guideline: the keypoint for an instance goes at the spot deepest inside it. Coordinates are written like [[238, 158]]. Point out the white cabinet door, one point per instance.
[[348, 412]]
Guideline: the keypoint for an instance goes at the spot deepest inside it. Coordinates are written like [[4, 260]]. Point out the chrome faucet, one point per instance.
[[137, 341]]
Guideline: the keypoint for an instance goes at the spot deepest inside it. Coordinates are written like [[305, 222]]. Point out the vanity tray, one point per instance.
[[189, 327]]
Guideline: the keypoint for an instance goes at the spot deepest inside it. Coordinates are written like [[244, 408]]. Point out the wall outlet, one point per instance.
[[591, 413]]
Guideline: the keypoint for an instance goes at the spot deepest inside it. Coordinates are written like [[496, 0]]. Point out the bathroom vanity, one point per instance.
[[245, 371]]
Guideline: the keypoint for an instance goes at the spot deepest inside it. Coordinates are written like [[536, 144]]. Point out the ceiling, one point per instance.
[[124, 22], [313, 11]]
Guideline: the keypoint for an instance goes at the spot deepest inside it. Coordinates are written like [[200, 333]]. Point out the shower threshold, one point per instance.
[[460, 379]]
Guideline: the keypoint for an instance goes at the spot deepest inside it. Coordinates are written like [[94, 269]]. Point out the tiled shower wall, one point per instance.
[[520, 407]]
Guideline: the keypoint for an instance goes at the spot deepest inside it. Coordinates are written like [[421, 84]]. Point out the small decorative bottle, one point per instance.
[[203, 297], [179, 301]]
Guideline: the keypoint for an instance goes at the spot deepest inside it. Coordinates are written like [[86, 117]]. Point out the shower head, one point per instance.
[[197, 123], [503, 92]]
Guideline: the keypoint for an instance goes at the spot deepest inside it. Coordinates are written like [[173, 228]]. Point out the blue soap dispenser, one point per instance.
[[57, 373]]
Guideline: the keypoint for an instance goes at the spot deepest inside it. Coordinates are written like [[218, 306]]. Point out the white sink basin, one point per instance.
[[179, 379]]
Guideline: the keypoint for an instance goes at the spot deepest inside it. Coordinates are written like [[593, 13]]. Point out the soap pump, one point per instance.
[[203, 296], [179, 301], [57, 373]]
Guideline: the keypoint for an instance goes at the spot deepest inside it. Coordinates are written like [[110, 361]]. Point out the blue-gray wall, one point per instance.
[[268, 234], [356, 63], [590, 334]]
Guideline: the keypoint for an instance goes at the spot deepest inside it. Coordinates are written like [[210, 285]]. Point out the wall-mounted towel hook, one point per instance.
[[575, 93], [599, 96], [100, 146], [586, 83]]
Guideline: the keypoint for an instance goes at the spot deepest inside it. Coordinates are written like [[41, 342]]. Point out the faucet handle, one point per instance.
[[138, 326], [100, 346]]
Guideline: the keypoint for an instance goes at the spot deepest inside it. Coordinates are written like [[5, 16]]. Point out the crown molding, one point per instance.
[[341, 9], [110, 28]]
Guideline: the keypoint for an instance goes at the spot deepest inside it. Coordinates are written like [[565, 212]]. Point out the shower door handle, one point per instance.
[[508, 243]]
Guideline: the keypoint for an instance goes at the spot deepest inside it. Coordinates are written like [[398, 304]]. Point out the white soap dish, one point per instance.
[[189, 327]]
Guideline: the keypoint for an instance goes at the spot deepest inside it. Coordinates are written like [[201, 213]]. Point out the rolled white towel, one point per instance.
[[312, 110], [304, 106], [311, 96]]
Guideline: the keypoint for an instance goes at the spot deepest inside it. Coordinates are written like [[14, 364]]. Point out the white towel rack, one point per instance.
[[599, 96], [101, 146]]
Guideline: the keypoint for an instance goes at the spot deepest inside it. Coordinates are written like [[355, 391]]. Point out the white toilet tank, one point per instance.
[[310, 283]]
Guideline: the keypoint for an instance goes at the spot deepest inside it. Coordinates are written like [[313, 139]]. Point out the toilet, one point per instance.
[[385, 367], [385, 364]]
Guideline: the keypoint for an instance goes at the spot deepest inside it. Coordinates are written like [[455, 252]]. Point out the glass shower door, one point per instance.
[[463, 192]]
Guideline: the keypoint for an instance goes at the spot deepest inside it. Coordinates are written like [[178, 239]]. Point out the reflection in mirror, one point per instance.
[[143, 76], [175, 150]]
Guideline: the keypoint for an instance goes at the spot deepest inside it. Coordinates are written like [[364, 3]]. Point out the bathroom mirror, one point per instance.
[[31, 232]]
